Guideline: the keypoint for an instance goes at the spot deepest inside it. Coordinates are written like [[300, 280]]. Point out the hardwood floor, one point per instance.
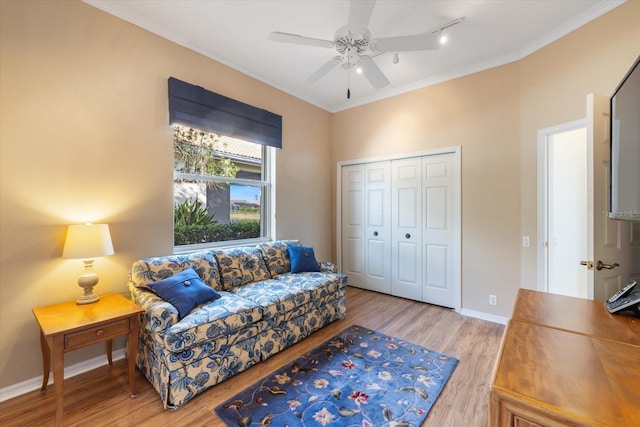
[[100, 397]]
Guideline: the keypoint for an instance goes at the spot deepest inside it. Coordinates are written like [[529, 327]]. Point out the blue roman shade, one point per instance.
[[197, 107]]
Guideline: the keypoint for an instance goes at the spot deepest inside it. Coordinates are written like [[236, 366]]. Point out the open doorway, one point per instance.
[[562, 160], [612, 247]]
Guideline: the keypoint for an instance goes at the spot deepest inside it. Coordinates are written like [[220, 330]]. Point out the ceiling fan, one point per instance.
[[355, 46]]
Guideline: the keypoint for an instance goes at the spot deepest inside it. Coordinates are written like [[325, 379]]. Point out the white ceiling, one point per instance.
[[494, 32]]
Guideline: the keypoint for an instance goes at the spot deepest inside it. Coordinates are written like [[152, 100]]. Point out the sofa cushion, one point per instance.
[[303, 259], [292, 292], [184, 290], [223, 316], [276, 256], [149, 270], [239, 266]]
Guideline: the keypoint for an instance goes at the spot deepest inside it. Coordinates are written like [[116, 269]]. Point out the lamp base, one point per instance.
[[87, 299], [87, 280]]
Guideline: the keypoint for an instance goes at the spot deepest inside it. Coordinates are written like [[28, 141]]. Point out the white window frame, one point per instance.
[[267, 208]]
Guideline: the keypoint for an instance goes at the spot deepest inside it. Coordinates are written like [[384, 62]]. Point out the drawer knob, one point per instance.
[[100, 332]]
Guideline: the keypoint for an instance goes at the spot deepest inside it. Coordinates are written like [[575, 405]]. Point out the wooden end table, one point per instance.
[[69, 326]]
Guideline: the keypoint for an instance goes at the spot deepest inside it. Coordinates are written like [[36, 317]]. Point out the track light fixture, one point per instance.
[[440, 30]]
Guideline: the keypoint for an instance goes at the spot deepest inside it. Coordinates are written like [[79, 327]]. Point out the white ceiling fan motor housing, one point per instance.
[[351, 46]]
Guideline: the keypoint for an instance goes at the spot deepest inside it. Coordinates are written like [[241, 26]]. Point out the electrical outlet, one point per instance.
[[493, 300]]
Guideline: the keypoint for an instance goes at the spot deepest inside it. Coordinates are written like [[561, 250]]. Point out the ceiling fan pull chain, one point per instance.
[[348, 74]]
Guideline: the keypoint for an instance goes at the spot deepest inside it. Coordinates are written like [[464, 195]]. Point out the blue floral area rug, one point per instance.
[[358, 378]]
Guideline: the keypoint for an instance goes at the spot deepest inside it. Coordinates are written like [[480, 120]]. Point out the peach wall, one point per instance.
[[479, 113], [555, 84], [495, 115], [85, 136]]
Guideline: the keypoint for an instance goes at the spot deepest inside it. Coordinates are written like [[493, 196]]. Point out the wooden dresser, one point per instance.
[[566, 362]]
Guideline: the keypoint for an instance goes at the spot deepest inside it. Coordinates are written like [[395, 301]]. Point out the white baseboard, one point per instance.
[[70, 371], [79, 368], [484, 316]]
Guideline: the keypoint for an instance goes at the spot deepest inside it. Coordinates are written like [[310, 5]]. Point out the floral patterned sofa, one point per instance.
[[263, 308]]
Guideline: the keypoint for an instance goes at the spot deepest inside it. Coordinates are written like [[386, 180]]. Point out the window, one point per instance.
[[223, 168], [221, 189]]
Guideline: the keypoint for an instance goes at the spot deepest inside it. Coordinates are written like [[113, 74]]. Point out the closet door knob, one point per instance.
[[375, 233], [408, 236]]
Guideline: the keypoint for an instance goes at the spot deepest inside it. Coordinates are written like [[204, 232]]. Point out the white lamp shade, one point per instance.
[[85, 241]]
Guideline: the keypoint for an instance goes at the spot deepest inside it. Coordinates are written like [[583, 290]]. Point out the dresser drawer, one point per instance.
[[96, 334]]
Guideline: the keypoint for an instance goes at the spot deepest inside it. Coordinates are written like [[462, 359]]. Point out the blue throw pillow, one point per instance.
[[302, 259], [184, 290]]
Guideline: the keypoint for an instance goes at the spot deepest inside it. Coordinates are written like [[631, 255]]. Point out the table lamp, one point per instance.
[[86, 242]]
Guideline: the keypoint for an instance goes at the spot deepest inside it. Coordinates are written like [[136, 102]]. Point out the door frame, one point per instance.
[[543, 195], [456, 151]]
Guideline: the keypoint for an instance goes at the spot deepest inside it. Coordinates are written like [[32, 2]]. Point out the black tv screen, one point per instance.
[[625, 147]]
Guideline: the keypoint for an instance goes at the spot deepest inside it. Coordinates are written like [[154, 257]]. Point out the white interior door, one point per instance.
[[567, 210], [439, 230], [378, 226], [406, 202], [614, 245], [352, 218], [399, 225]]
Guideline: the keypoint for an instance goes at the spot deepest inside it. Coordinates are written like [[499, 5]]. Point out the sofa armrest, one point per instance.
[[158, 314], [328, 267]]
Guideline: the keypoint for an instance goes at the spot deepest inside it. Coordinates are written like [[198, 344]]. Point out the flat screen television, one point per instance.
[[625, 147]]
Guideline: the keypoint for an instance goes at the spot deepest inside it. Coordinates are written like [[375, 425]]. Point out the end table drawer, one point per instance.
[[96, 334]]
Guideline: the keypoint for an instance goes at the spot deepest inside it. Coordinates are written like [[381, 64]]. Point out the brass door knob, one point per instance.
[[600, 265]]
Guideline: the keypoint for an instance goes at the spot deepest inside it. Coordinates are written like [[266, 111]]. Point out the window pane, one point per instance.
[[205, 153], [219, 191], [245, 203], [206, 213]]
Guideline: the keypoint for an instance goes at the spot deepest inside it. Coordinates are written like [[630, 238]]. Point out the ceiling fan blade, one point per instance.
[[320, 72], [426, 41], [359, 15], [297, 39], [372, 72]]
